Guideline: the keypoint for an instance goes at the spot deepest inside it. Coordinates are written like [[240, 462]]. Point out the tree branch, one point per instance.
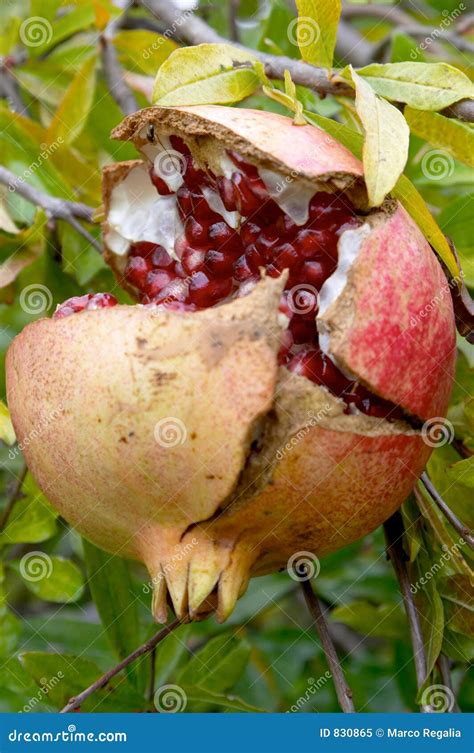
[[118, 89], [444, 666], [343, 692], [394, 531], [102, 681], [14, 497], [194, 30], [59, 209], [457, 524]]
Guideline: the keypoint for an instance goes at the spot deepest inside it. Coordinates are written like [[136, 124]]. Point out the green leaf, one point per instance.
[[316, 30], [386, 141], [463, 472], [404, 46], [50, 578], [381, 621], [7, 432], [404, 191], [74, 109], [218, 665], [67, 675], [425, 86], [456, 221], [205, 74], [143, 50], [111, 587], [170, 652], [52, 34], [10, 626], [457, 592], [23, 249], [226, 702], [32, 519], [80, 259], [446, 133]]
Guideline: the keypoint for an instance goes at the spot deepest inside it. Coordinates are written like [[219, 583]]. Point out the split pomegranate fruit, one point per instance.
[[265, 397]]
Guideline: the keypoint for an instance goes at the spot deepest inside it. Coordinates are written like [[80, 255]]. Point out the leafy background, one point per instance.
[[56, 114]]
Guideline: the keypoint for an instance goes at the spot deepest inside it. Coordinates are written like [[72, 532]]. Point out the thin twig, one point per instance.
[[118, 88], [343, 692], [151, 687], [102, 681], [195, 31], [59, 209], [444, 666], [394, 531], [457, 524], [14, 497]]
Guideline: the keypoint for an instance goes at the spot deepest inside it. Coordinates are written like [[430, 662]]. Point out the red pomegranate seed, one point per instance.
[[159, 183], [315, 272], [205, 292], [320, 369], [218, 263], [87, 302], [179, 270], [157, 279], [249, 232], [193, 176], [196, 232], [178, 144], [310, 243], [254, 258], [221, 234], [285, 256], [161, 258], [186, 200], [247, 202], [250, 170], [267, 239], [137, 271], [227, 193], [302, 330], [242, 271], [143, 248], [192, 260], [176, 290]]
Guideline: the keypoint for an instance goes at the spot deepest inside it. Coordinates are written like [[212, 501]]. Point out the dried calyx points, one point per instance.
[[263, 396]]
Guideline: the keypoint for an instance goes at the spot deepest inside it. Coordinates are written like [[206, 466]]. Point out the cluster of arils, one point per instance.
[[214, 262]]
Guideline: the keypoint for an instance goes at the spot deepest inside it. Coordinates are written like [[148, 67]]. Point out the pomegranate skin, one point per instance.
[[270, 464], [408, 358]]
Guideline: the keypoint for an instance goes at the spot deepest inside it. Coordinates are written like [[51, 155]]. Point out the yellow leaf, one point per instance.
[[426, 86], [205, 74], [7, 432], [74, 109], [454, 136], [386, 141], [142, 49], [316, 30]]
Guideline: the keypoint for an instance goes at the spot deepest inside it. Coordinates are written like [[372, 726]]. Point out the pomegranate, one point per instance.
[[266, 394]]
